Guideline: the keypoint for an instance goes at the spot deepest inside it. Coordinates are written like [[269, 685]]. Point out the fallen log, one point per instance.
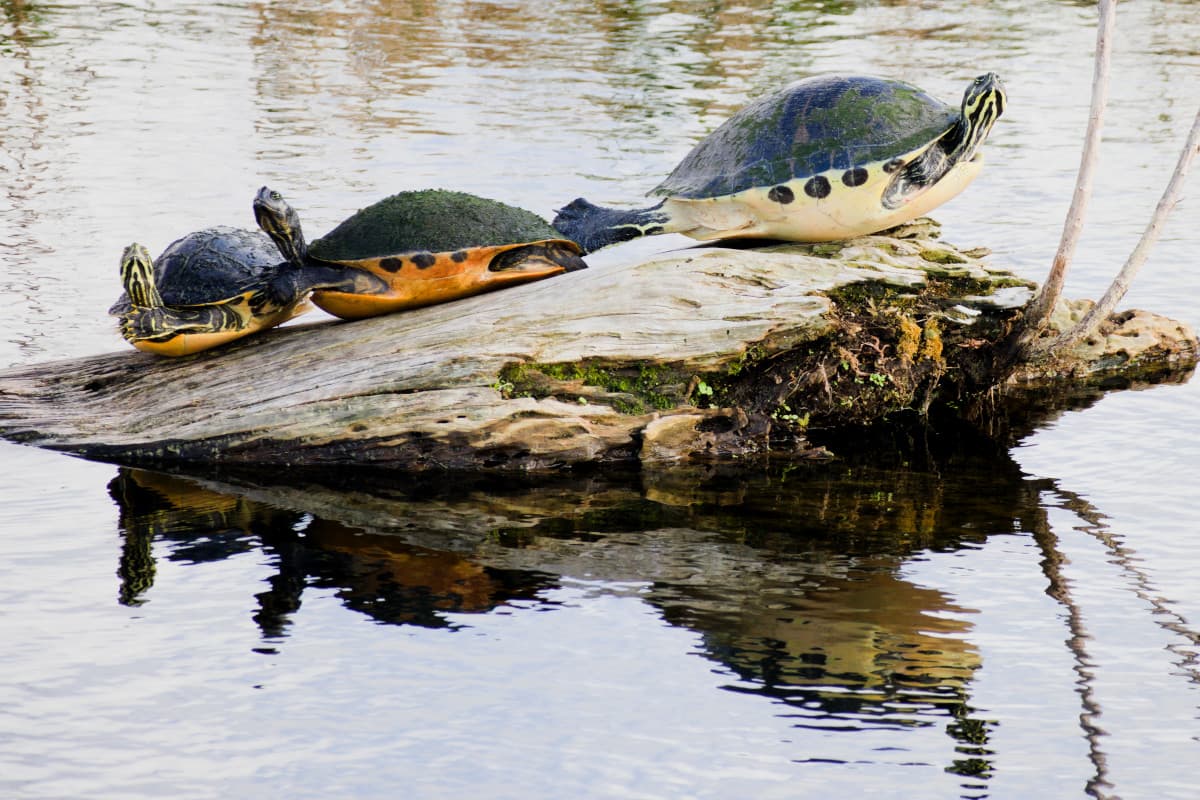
[[711, 351]]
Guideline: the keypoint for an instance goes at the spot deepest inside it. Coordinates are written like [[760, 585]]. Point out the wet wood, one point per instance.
[[703, 352]]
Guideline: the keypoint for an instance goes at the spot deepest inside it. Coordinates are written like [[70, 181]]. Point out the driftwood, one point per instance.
[[703, 352]]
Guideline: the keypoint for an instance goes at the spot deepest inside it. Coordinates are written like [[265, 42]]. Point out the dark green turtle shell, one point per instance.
[[817, 124], [209, 266], [432, 220]]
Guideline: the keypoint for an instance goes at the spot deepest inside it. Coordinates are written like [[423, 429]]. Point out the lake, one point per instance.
[[932, 614]]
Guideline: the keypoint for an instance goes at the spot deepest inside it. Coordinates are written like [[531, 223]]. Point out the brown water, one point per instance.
[[934, 617]]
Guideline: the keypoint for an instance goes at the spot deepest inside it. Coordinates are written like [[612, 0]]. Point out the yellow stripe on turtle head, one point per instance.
[[137, 276], [983, 103]]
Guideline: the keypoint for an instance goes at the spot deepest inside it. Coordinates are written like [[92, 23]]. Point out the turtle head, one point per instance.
[[281, 222], [982, 105], [955, 153], [137, 275]]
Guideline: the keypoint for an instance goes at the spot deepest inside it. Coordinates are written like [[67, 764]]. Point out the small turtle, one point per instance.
[[428, 246], [827, 157], [214, 286]]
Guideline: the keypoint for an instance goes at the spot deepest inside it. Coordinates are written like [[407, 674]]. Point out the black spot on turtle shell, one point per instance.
[[855, 176], [781, 194], [893, 165], [391, 263], [458, 256], [818, 187], [424, 260]]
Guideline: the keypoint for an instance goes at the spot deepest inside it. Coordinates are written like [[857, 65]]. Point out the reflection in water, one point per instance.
[[647, 77], [642, 67], [793, 578], [379, 575], [1185, 645], [22, 166], [1185, 639]]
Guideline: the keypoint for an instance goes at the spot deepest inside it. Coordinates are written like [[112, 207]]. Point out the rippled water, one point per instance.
[[937, 617]]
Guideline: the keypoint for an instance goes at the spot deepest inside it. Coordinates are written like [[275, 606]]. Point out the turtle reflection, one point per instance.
[[377, 574]]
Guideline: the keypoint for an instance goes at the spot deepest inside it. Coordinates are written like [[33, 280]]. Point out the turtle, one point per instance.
[[826, 157], [429, 246], [214, 286]]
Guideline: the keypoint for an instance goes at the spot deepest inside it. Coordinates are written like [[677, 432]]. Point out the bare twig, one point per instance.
[[1100, 312], [1043, 304]]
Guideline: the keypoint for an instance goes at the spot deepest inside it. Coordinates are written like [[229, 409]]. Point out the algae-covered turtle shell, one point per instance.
[[824, 158], [813, 126], [434, 221], [428, 246]]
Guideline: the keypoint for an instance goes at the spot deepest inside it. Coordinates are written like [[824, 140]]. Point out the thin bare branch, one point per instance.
[[1043, 303], [1100, 312]]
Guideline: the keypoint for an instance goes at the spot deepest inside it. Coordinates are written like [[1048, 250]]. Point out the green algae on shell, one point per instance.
[[432, 220]]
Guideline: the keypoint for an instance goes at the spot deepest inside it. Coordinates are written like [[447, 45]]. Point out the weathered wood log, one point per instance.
[[706, 351]]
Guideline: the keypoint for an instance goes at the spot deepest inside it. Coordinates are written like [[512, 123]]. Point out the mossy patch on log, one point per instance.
[[893, 343], [628, 388], [889, 350]]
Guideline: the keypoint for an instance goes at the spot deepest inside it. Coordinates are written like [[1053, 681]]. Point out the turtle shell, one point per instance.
[[817, 124], [209, 266], [434, 221]]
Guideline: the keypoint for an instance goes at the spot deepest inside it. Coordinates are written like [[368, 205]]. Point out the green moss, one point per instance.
[[886, 350], [943, 257], [752, 355], [826, 248], [864, 294], [630, 408], [628, 389]]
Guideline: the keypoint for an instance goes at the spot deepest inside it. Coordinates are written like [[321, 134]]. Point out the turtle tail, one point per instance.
[[594, 226]]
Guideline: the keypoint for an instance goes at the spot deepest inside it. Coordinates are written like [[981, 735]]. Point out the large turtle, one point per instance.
[[428, 246], [214, 286], [827, 157]]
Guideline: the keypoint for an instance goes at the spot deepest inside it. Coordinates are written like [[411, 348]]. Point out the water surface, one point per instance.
[[932, 614]]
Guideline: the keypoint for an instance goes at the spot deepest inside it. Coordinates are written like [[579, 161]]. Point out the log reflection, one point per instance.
[[793, 577]]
